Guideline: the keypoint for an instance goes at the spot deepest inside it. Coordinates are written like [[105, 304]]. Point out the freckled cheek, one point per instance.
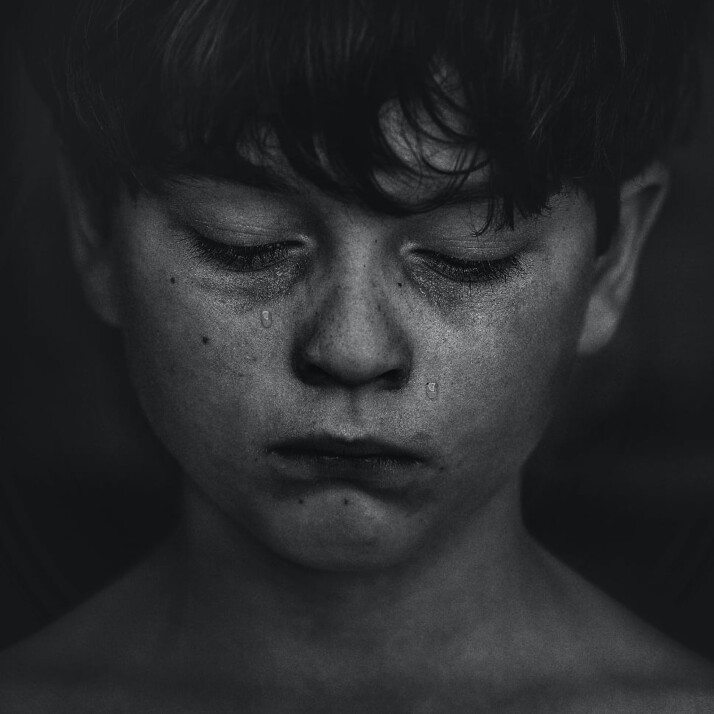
[[203, 366]]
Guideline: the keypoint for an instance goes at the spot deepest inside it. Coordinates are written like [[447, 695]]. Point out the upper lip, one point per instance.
[[364, 448]]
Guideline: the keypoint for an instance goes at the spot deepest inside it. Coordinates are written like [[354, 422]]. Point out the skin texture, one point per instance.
[[364, 311], [360, 325], [333, 587]]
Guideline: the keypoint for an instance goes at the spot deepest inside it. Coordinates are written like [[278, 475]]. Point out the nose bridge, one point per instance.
[[354, 308], [354, 335]]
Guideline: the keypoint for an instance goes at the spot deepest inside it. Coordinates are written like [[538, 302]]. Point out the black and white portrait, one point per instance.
[[361, 357]]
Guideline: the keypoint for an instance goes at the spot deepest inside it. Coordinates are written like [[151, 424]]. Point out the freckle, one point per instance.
[[173, 280], [347, 503], [205, 340], [399, 284], [266, 319], [301, 501]]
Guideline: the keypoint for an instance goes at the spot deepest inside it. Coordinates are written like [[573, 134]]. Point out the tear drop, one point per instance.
[[266, 319], [432, 390]]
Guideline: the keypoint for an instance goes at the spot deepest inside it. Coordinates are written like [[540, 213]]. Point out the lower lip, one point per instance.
[[380, 473]]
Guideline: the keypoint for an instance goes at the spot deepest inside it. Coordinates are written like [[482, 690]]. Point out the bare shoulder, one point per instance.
[[68, 665], [625, 664], [38, 674], [644, 698]]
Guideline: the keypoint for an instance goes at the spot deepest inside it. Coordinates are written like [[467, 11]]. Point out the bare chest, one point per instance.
[[142, 696]]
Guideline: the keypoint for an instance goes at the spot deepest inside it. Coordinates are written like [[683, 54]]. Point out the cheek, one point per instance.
[[213, 374], [202, 364], [512, 366]]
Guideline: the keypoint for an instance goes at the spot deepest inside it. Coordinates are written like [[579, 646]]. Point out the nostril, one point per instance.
[[312, 373], [394, 378], [352, 342]]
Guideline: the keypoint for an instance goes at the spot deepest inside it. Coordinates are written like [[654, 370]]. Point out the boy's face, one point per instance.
[[350, 387], [432, 354]]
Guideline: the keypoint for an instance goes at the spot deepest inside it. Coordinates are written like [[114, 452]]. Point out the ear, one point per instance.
[[91, 244], [641, 199]]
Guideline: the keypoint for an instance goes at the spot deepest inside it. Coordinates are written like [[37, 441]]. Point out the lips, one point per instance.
[[364, 461], [348, 449]]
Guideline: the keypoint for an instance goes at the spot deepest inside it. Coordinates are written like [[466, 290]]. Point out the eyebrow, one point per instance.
[[268, 182], [468, 193]]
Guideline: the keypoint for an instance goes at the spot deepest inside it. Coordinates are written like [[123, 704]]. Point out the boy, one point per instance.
[[353, 250]]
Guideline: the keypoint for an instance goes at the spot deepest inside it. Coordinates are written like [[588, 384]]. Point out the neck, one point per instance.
[[252, 606]]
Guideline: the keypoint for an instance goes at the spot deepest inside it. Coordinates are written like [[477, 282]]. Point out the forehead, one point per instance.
[[430, 158], [429, 167]]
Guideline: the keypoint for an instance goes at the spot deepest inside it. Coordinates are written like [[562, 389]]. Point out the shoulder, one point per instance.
[[610, 660], [50, 675], [629, 699], [625, 670], [48, 671], [85, 656]]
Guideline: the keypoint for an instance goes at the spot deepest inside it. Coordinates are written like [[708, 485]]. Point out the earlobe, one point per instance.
[[90, 244], [641, 200]]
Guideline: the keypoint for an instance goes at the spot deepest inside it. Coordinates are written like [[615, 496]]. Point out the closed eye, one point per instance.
[[241, 259], [472, 271]]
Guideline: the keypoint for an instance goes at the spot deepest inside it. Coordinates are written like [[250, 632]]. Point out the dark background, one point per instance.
[[623, 488]]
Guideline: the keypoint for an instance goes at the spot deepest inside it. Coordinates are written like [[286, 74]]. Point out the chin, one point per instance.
[[343, 530]]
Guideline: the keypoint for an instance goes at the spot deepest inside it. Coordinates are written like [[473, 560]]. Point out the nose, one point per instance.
[[353, 336]]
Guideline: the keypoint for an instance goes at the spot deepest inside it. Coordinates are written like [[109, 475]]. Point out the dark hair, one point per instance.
[[552, 92]]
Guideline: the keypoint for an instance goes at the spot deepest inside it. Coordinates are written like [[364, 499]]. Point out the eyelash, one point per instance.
[[473, 271], [241, 259], [249, 259]]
